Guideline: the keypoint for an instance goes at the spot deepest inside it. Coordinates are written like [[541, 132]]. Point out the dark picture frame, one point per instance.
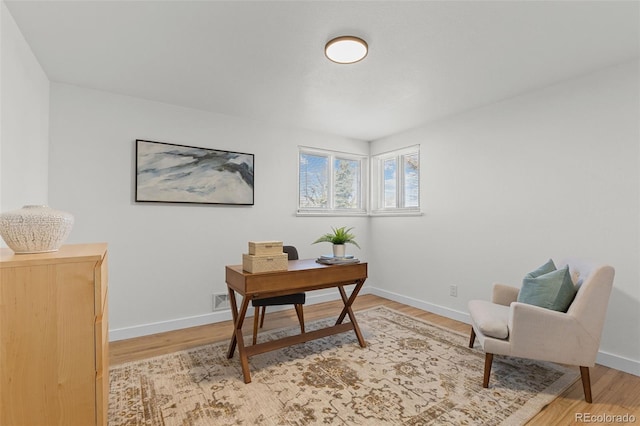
[[172, 173]]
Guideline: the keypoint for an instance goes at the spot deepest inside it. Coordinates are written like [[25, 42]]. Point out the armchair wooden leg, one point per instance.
[[256, 314], [300, 317], [264, 311], [586, 383], [472, 339], [488, 360]]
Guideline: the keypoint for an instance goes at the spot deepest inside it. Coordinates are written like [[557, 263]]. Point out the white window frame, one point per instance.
[[377, 183], [331, 210]]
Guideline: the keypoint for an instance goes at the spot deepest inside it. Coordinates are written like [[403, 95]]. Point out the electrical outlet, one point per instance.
[[453, 290], [220, 302]]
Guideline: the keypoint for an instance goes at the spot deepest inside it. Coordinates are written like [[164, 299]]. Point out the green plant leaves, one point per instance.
[[338, 236]]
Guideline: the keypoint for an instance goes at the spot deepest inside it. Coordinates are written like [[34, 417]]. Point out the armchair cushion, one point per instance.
[[504, 294], [552, 290], [491, 319]]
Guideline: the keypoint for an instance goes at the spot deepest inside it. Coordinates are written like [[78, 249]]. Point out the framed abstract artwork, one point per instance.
[[170, 173]]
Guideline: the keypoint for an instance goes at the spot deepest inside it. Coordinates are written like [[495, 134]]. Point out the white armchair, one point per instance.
[[507, 327]]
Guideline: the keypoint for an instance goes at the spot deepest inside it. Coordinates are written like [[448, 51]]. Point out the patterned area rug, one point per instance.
[[410, 373]]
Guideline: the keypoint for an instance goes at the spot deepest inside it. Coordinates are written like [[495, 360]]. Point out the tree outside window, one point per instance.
[[330, 182], [314, 185]]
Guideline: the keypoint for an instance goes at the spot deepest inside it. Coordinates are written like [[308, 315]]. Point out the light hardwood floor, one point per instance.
[[614, 392]]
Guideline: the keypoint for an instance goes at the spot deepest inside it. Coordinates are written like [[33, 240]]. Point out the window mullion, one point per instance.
[[331, 189], [398, 181]]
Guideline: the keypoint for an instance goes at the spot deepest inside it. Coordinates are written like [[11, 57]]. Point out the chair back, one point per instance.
[[594, 284], [291, 251]]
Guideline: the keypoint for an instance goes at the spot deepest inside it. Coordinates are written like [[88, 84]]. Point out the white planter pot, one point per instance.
[[338, 250], [35, 229]]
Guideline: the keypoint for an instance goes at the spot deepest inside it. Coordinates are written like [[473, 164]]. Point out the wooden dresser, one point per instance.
[[54, 364]]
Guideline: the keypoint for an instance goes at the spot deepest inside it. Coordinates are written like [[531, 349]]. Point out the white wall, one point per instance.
[[549, 174], [166, 261], [24, 121]]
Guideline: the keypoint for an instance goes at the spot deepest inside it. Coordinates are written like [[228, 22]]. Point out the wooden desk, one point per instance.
[[302, 275]]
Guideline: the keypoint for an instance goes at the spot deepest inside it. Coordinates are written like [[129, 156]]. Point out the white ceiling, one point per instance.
[[265, 60]]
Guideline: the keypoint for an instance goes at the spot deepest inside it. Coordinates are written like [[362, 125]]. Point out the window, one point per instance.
[[331, 182], [396, 181]]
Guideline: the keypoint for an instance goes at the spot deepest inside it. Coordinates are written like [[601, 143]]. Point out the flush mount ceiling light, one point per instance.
[[346, 49]]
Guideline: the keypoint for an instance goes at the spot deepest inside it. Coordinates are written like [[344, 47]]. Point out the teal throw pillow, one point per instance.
[[544, 269], [551, 290]]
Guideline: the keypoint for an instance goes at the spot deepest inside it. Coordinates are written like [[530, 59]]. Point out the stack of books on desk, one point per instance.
[[333, 260]]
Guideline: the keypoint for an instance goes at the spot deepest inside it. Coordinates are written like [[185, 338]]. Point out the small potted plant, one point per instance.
[[339, 237]]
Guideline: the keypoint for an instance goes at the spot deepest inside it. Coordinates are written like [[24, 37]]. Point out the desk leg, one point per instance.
[[347, 310], [234, 313], [237, 338]]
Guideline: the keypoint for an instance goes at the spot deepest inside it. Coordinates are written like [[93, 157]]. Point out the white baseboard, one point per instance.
[[619, 363], [425, 306], [169, 325], [609, 360], [209, 318]]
